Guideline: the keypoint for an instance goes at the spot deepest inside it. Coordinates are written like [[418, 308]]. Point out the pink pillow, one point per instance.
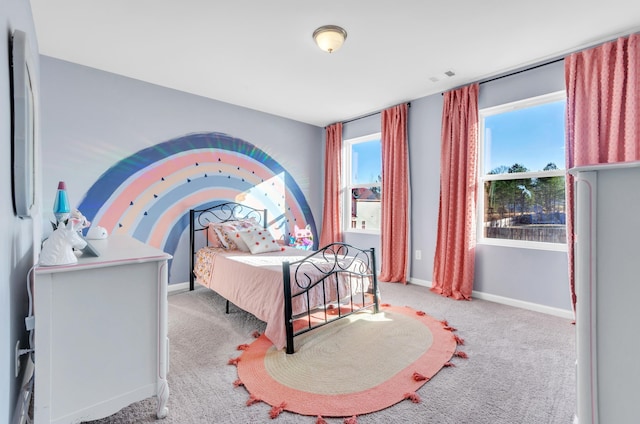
[[213, 236]]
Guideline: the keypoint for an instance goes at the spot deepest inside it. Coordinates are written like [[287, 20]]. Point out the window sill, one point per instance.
[[367, 232], [552, 247]]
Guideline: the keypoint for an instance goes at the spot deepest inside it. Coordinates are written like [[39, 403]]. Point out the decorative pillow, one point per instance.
[[214, 236], [232, 228], [259, 240]]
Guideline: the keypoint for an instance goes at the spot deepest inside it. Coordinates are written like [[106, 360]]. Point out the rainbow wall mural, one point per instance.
[[148, 195]]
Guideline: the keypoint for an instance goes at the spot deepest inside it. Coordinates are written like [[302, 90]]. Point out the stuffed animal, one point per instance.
[[302, 238]]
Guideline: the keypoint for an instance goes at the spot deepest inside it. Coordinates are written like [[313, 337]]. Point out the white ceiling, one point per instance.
[[259, 54]]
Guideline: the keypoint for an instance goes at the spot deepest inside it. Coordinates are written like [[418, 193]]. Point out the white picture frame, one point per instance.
[[23, 133]]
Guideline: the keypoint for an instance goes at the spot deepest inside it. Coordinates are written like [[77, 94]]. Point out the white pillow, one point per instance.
[[231, 229], [259, 240]]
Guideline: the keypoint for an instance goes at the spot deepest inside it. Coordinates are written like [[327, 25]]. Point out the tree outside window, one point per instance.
[[523, 180]]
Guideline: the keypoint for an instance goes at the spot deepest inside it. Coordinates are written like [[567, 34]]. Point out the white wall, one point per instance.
[[16, 238]]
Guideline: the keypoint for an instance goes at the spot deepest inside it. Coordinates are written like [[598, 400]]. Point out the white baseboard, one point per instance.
[[536, 307], [171, 288], [562, 313], [419, 282]]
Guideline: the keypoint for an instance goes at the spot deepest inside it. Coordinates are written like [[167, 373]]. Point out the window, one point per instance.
[[522, 202], [363, 183]]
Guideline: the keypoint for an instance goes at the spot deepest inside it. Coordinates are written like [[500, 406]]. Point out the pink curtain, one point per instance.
[[395, 195], [332, 214], [603, 113], [455, 244]]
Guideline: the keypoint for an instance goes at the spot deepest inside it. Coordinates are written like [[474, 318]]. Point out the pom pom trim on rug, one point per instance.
[[263, 388]]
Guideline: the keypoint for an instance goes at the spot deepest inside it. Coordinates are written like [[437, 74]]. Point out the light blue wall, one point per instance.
[[526, 275], [94, 119], [16, 238], [425, 116]]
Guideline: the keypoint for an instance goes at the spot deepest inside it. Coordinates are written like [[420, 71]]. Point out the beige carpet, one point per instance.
[[521, 367]]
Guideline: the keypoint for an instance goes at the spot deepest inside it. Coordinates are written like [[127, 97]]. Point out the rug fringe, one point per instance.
[[234, 361], [459, 340], [448, 328], [276, 410], [321, 420], [419, 377], [413, 397], [351, 420], [444, 322], [238, 383], [461, 355], [243, 347], [255, 334], [421, 313], [252, 399], [449, 364]]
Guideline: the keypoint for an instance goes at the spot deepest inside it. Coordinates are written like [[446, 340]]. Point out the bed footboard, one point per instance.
[[342, 276]]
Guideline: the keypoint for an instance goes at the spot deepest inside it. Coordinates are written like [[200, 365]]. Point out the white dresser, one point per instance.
[[101, 333], [607, 254]]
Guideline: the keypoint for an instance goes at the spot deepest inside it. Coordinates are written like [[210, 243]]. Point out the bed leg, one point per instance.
[[288, 308], [376, 293], [227, 307]]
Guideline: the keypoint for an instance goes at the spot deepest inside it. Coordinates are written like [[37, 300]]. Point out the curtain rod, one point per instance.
[[368, 115], [530, 68], [558, 59]]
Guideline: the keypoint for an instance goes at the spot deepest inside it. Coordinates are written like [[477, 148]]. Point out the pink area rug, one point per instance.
[[354, 366]]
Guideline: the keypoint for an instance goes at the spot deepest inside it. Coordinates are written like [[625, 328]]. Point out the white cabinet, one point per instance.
[[607, 255], [101, 333]]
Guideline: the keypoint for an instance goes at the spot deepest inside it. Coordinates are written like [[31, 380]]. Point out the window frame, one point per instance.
[[483, 177], [347, 186]]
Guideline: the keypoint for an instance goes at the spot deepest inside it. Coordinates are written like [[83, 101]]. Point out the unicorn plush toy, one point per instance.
[[58, 248]]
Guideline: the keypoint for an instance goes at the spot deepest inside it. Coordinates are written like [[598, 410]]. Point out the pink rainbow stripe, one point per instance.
[[161, 230], [153, 174], [143, 200], [168, 219]]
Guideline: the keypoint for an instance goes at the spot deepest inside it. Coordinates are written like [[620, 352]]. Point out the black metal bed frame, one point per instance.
[[199, 220], [337, 263]]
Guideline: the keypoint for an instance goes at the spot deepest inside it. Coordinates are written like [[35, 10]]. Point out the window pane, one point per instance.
[[530, 209], [525, 139], [366, 162], [365, 208]]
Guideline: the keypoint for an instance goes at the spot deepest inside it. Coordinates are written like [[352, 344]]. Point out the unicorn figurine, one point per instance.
[[58, 248]]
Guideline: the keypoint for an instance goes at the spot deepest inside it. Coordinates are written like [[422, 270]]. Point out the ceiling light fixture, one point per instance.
[[329, 37]]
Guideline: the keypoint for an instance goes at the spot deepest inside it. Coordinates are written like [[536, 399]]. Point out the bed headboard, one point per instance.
[[199, 220]]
